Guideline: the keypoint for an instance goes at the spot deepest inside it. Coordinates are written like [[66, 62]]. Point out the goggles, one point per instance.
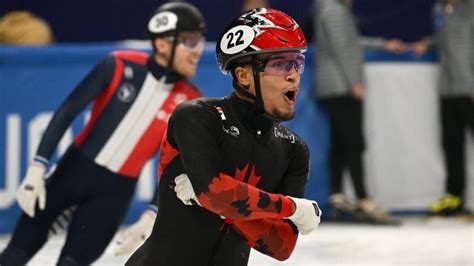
[[282, 64], [192, 43]]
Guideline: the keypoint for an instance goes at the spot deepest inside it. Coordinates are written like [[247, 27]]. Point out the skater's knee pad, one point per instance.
[[13, 256], [68, 261]]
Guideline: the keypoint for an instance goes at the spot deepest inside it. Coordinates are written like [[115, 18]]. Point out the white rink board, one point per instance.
[[405, 169]]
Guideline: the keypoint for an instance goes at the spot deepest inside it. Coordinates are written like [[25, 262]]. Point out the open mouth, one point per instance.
[[291, 95]]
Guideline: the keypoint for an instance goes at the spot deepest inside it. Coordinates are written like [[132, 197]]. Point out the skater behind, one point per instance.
[[231, 176], [133, 95]]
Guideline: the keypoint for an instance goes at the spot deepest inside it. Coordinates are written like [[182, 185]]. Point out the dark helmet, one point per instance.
[[174, 17], [261, 30]]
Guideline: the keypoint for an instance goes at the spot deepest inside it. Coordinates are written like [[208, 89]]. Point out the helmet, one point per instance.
[[261, 30], [174, 17]]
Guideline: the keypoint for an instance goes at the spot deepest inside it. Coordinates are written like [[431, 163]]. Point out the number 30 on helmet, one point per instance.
[[261, 30], [175, 17]]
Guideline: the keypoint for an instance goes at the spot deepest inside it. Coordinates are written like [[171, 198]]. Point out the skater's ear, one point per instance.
[[243, 75]]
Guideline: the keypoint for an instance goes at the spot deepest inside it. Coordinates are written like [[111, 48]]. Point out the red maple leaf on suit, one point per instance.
[[252, 180]]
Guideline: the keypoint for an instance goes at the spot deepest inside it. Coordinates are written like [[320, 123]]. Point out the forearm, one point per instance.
[[57, 126], [236, 200], [273, 237], [80, 97]]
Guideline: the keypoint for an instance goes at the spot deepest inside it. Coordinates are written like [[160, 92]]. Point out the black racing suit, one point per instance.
[[234, 157]]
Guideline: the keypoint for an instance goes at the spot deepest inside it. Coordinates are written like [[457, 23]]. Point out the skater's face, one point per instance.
[[279, 76], [187, 53]]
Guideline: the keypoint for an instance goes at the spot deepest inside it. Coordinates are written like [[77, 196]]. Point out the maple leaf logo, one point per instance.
[[253, 178]]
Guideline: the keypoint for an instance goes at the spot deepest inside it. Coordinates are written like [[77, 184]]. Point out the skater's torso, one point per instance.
[[252, 149]]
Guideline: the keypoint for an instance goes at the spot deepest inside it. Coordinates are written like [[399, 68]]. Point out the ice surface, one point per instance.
[[419, 241]]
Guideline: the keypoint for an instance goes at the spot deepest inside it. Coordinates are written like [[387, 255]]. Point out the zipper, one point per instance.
[[225, 226]]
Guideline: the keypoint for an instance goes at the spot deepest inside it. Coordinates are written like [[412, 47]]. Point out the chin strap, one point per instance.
[[169, 67], [258, 100], [242, 91], [256, 78]]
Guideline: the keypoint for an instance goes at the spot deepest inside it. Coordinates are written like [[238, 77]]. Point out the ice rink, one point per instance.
[[418, 241]]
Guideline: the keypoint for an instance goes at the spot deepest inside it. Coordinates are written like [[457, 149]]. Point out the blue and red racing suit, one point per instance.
[[133, 98]]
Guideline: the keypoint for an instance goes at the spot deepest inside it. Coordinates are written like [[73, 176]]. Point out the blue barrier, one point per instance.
[[35, 80]]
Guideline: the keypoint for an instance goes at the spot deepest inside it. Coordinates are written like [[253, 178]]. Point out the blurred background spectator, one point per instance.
[[95, 21], [454, 40], [23, 27], [340, 89]]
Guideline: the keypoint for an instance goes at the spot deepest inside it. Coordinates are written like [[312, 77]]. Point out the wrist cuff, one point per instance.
[[286, 207], [41, 160], [153, 209]]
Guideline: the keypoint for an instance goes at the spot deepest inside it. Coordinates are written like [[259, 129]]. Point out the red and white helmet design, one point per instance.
[[261, 30]]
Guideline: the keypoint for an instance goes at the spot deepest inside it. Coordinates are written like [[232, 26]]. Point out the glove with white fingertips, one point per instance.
[[32, 189], [184, 190], [307, 215], [135, 235]]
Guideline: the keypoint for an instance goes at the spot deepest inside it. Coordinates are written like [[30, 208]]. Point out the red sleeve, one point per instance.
[[273, 237], [234, 199]]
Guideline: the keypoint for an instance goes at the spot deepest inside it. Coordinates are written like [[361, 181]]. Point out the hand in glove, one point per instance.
[[32, 189], [307, 215], [184, 190], [133, 237]]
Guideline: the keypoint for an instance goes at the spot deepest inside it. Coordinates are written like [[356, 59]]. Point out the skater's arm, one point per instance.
[[277, 237], [79, 98], [273, 237]]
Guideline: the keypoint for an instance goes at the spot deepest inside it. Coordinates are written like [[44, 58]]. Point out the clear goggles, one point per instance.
[[191, 43], [282, 64]]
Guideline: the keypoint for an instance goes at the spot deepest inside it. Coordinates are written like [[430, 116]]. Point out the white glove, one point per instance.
[[306, 216], [32, 189], [184, 190], [133, 237]]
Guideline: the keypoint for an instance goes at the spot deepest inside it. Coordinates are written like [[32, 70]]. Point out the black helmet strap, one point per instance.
[[242, 90], [258, 100], [169, 67], [256, 77]]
